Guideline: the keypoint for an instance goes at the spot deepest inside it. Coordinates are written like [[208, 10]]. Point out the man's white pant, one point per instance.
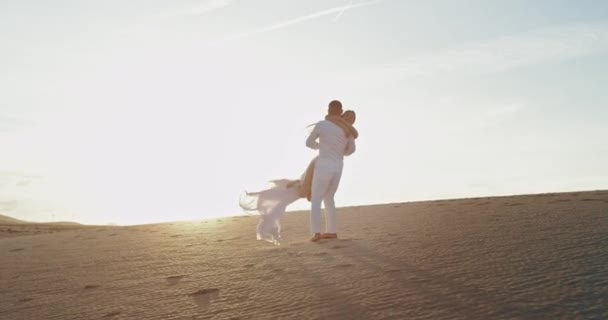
[[325, 181]]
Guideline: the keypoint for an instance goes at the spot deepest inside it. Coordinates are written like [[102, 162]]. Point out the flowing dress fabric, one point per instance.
[[270, 204]]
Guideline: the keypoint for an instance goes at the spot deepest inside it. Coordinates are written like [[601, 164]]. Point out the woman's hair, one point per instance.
[[342, 115], [349, 111], [354, 115]]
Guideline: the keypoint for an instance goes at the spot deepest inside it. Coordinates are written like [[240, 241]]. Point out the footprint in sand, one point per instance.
[[338, 247], [17, 249], [204, 296], [204, 292], [91, 286], [174, 279], [514, 204], [111, 314]]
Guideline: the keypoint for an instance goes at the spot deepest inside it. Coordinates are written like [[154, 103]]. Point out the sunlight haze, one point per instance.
[[150, 111]]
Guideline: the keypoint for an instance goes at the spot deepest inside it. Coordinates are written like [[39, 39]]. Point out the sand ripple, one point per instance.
[[527, 257]]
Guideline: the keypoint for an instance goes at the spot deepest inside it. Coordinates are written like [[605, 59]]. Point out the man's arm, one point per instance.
[[350, 147], [311, 142]]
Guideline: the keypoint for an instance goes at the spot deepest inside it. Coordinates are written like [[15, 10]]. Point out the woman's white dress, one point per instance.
[[270, 204]]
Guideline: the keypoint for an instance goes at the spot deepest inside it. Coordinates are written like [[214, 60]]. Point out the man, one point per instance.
[[333, 145]]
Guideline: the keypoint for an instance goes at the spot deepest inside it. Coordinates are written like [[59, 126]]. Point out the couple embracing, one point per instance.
[[334, 138]]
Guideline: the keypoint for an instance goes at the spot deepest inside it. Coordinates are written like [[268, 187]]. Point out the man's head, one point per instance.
[[334, 108]]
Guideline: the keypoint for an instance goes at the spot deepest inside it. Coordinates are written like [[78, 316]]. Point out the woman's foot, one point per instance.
[[329, 236], [316, 237]]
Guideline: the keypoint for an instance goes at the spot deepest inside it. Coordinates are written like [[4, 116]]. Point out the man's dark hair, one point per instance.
[[335, 107]]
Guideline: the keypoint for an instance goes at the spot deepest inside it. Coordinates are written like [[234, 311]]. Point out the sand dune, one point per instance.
[[8, 220], [10, 227], [525, 257]]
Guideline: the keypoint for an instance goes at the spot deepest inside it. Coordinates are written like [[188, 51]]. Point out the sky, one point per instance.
[[131, 112]]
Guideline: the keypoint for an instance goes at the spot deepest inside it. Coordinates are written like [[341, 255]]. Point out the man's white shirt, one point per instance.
[[333, 143]]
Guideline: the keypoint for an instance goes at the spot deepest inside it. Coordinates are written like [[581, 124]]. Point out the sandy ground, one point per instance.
[[525, 257], [12, 230]]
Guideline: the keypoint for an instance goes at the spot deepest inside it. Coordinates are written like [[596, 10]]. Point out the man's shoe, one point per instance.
[[316, 237], [329, 236]]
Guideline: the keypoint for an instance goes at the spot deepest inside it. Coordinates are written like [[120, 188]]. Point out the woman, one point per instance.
[[346, 122], [270, 204]]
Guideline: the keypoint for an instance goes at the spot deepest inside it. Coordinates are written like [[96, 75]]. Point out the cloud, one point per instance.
[[339, 15], [8, 206], [506, 109], [9, 123], [23, 183], [189, 11], [535, 47], [19, 179], [199, 9], [287, 23]]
